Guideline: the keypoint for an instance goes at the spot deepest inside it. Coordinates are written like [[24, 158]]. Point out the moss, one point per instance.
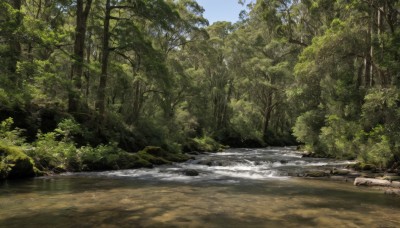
[[132, 161], [159, 156], [359, 166], [15, 163], [155, 151], [391, 178], [153, 159], [204, 144], [177, 157]]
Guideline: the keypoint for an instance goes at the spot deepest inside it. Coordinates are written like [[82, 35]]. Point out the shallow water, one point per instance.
[[242, 188]]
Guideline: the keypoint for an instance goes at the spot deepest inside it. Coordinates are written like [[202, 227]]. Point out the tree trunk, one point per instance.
[[267, 115], [14, 44], [79, 46], [367, 58], [101, 94]]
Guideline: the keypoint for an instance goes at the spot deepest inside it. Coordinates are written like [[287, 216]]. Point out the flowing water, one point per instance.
[[236, 188]]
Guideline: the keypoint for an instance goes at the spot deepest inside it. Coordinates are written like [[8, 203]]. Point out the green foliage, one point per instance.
[[10, 136], [246, 120], [52, 154], [103, 157], [326, 71], [308, 126], [14, 163], [337, 137], [374, 147], [204, 144]]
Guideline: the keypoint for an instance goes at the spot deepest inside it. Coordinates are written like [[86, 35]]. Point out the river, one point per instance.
[[236, 188]]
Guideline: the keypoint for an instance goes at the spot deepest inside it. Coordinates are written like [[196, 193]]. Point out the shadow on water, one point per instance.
[[115, 217], [123, 202]]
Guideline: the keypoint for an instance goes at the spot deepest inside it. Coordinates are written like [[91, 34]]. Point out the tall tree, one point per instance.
[[82, 13]]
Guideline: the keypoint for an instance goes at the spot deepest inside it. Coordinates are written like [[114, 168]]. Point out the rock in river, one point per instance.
[[316, 173], [190, 172], [359, 181], [340, 172]]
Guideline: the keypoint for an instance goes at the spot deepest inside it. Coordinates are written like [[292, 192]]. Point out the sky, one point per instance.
[[222, 10]]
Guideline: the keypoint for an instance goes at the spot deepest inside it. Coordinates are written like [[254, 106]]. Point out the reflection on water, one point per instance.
[[115, 199]]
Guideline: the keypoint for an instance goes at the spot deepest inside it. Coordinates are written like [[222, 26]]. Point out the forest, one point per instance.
[[114, 84]]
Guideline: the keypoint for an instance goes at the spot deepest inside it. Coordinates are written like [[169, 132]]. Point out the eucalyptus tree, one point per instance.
[[82, 13], [342, 75], [150, 10]]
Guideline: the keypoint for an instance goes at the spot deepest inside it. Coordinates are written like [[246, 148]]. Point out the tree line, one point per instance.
[[134, 73]]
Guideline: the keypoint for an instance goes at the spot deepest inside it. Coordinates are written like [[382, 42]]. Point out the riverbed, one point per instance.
[[235, 188]]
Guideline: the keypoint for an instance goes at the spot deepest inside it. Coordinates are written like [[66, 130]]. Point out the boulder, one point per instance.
[[360, 181], [316, 173], [14, 163], [190, 172], [307, 154]]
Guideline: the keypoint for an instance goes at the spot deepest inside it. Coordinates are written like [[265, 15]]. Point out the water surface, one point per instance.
[[237, 188]]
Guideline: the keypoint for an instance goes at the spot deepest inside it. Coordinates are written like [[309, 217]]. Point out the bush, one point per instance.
[[51, 154], [102, 157], [337, 137], [9, 135], [307, 127], [374, 147], [157, 155], [203, 144], [55, 151]]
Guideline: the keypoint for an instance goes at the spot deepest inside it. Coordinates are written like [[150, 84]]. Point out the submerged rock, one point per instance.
[[395, 192], [360, 181], [190, 172], [339, 178], [353, 175]]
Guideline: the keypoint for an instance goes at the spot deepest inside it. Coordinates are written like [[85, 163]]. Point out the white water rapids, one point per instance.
[[232, 166]]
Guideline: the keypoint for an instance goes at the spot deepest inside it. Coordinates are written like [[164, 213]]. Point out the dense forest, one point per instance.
[[114, 84]]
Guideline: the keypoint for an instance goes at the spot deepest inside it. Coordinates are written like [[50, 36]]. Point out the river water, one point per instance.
[[236, 188]]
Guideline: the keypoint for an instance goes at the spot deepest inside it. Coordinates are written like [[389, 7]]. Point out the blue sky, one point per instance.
[[222, 10]]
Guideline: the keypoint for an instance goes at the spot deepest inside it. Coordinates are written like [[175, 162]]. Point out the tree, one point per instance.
[[82, 13]]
